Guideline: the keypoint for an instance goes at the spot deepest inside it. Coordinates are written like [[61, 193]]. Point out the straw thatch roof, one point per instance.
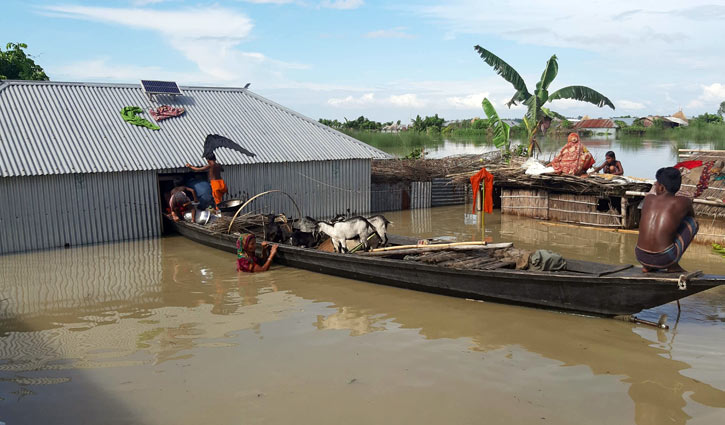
[[715, 191], [423, 170], [594, 185]]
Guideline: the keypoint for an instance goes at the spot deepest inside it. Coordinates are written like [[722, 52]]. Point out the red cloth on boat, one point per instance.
[[574, 158], [487, 178], [688, 164], [165, 111]]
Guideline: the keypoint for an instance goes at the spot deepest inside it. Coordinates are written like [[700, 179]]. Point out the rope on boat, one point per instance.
[[299, 212]]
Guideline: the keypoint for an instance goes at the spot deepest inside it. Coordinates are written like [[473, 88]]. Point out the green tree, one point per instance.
[[707, 118], [721, 110], [434, 123], [16, 65], [500, 129], [537, 116]]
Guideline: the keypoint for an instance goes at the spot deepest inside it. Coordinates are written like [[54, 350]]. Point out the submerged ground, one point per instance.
[[166, 332]]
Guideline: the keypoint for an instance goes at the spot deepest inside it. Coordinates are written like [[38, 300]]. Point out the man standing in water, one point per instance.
[[218, 187], [667, 225]]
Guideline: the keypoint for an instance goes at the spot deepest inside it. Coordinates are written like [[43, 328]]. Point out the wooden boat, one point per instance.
[[585, 287]]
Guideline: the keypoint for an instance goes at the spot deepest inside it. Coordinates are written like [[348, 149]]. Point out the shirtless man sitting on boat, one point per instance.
[[667, 226]]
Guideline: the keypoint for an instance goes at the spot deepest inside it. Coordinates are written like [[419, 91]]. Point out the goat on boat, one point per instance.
[[353, 228]]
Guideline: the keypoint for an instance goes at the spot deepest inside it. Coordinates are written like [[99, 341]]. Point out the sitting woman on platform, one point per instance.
[[247, 260], [610, 165], [574, 158]]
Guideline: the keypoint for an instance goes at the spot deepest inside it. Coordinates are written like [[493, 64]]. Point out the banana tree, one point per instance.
[[537, 115], [500, 129]]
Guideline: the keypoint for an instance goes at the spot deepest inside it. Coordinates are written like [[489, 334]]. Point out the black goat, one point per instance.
[[273, 231], [302, 239]]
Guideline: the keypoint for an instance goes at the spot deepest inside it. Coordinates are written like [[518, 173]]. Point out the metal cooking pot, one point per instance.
[[230, 206], [202, 217]]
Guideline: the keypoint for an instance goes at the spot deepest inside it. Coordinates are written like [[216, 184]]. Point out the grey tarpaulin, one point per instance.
[[546, 261]]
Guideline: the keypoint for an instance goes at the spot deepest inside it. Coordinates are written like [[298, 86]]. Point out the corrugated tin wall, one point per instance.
[[320, 188], [420, 195], [444, 192], [400, 196], [51, 211]]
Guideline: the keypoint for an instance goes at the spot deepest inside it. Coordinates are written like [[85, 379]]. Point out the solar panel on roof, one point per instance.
[[160, 87]]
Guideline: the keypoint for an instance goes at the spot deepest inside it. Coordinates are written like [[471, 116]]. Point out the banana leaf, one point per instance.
[[500, 129], [505, 70], [582, 93]]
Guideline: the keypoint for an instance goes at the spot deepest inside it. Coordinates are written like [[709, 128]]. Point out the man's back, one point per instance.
[[661, 216], [215, 171]]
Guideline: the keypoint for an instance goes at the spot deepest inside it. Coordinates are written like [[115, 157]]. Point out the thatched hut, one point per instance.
[[592, 201]]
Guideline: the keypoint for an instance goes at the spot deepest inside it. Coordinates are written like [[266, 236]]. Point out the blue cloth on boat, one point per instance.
[[672, 254]]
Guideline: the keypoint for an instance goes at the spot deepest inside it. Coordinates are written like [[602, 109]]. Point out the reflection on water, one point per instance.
[[165, 331]]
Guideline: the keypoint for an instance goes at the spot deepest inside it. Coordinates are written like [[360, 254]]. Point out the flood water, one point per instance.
[[165, 332]]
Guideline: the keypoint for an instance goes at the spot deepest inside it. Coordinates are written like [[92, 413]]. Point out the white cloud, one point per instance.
[[101, 69], [715, 91], [407, 100], [397, 32], [146, 2], [472, 101], [711, 96], [365, 99], [342, 4], [206, 36], [216, 23], [628, 104], [571, 23]]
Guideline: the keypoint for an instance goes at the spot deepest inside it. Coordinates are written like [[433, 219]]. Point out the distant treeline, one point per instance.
[[702, 127], [365, 124]]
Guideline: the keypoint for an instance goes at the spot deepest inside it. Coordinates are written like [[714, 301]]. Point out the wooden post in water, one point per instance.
[[479, 199], [624, 206]]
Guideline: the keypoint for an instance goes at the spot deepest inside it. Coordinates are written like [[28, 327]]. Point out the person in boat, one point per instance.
[[610, 165], [667, 225], [574, 158], [247, 260], [179, 202], [218, 187]]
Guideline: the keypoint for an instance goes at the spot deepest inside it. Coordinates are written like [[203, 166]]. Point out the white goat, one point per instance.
[[353, 228], [380, 223]]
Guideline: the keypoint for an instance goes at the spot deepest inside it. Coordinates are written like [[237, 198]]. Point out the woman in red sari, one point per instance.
[[574, 158]]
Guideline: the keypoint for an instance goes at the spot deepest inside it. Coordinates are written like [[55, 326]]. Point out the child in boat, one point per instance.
[[218, 187], [667, 226], [247, 260], [610, 165]]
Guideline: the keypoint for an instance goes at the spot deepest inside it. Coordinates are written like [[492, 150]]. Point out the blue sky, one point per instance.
[[388, 60]]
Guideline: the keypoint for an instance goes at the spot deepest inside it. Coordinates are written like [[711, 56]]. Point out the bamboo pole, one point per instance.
[[394, 248], [430, 248], [694, 201]]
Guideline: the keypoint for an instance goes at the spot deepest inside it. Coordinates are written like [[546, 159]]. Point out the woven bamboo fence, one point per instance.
[[583, 209], [532, 203]]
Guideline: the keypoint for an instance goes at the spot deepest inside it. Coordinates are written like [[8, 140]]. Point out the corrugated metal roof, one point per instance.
[[600, 123], [59, 128]]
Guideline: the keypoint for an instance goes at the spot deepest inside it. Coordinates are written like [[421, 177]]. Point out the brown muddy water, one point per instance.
[[165, 332]]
